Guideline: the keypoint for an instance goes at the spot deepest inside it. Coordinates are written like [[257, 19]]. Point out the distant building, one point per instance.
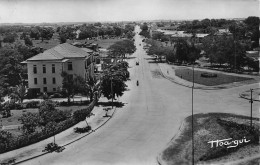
[[44, 70]]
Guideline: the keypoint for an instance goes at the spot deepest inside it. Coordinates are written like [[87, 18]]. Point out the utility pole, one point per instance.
[[251, 101], [192, 126]]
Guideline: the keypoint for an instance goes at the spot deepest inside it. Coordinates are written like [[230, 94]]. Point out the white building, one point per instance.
[[44, 70]]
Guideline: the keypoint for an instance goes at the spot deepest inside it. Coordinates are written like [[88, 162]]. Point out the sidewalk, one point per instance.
[[62, 139], [168, 72]]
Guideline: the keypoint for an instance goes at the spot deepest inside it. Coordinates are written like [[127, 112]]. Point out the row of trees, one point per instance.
[[121, 48], [181, 52], [222, 50], [145, 30], [227, 50]]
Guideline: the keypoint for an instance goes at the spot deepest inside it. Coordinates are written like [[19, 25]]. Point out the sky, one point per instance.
[[38, 11]]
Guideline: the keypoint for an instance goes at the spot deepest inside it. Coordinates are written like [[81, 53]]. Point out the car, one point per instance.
[[137, 63]]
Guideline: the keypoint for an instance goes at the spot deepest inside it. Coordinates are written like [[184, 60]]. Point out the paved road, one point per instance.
[[151, 116]]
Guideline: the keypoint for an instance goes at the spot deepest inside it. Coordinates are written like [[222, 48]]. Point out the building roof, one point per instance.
[[60, 52]]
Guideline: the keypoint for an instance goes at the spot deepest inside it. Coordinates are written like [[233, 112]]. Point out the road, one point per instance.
[[151, 116]]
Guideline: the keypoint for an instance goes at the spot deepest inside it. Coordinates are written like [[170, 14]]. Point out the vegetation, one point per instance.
[[113, 80], [145, 31], [208, 127], [30, 121], [48, 122], [82, 130], [220, 79], [121, 48], [73, 84]]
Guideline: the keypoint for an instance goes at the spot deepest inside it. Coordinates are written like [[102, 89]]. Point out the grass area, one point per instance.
[[221, 78], [47, 44], [208, 127]]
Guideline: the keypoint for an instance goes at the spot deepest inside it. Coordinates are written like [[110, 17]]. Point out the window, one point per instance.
[[44, 81], [35, 80], [53, 68], [54, 89], [54, 80], [69, 65], [44, 89], [34, 69], [43, 68]]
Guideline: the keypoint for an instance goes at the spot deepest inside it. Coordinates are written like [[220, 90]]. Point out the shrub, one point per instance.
[[82, 130], [208, 75], [30, 122], [32, 104], [52, 147]]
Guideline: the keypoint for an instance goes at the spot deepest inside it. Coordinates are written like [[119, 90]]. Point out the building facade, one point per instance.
[[44, 70]]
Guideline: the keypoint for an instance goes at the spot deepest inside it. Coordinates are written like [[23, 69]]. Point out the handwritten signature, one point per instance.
[[228, 142]]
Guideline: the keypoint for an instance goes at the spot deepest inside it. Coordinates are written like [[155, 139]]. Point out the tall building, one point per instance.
[[44, 70]]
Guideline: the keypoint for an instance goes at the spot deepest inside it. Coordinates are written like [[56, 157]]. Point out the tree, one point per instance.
[[27, 41], [117, 31], [144, 27], [91, 88], [121, 48], [182, 50], [10, 66], [73, 84], [46, 33], [35, 33], [10, 37], [48, 113], [112, 85], [30, 121], [194, 53], [62, 39], [252, 21], [19, 92]]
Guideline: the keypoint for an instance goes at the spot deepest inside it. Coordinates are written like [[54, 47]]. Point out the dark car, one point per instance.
[[137, 63]]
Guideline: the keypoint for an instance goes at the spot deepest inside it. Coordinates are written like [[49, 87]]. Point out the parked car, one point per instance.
[[137, 63]]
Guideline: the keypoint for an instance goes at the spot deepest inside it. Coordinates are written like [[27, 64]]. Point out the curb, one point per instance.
[[93, 130], [159, 157]]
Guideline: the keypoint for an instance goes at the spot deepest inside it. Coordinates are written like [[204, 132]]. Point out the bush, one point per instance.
[[208, 75], [32, 104], [82, 130], [52, 147], [12, 105]]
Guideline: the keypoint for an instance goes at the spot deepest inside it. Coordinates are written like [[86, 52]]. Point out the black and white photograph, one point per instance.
[[129, 82]]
